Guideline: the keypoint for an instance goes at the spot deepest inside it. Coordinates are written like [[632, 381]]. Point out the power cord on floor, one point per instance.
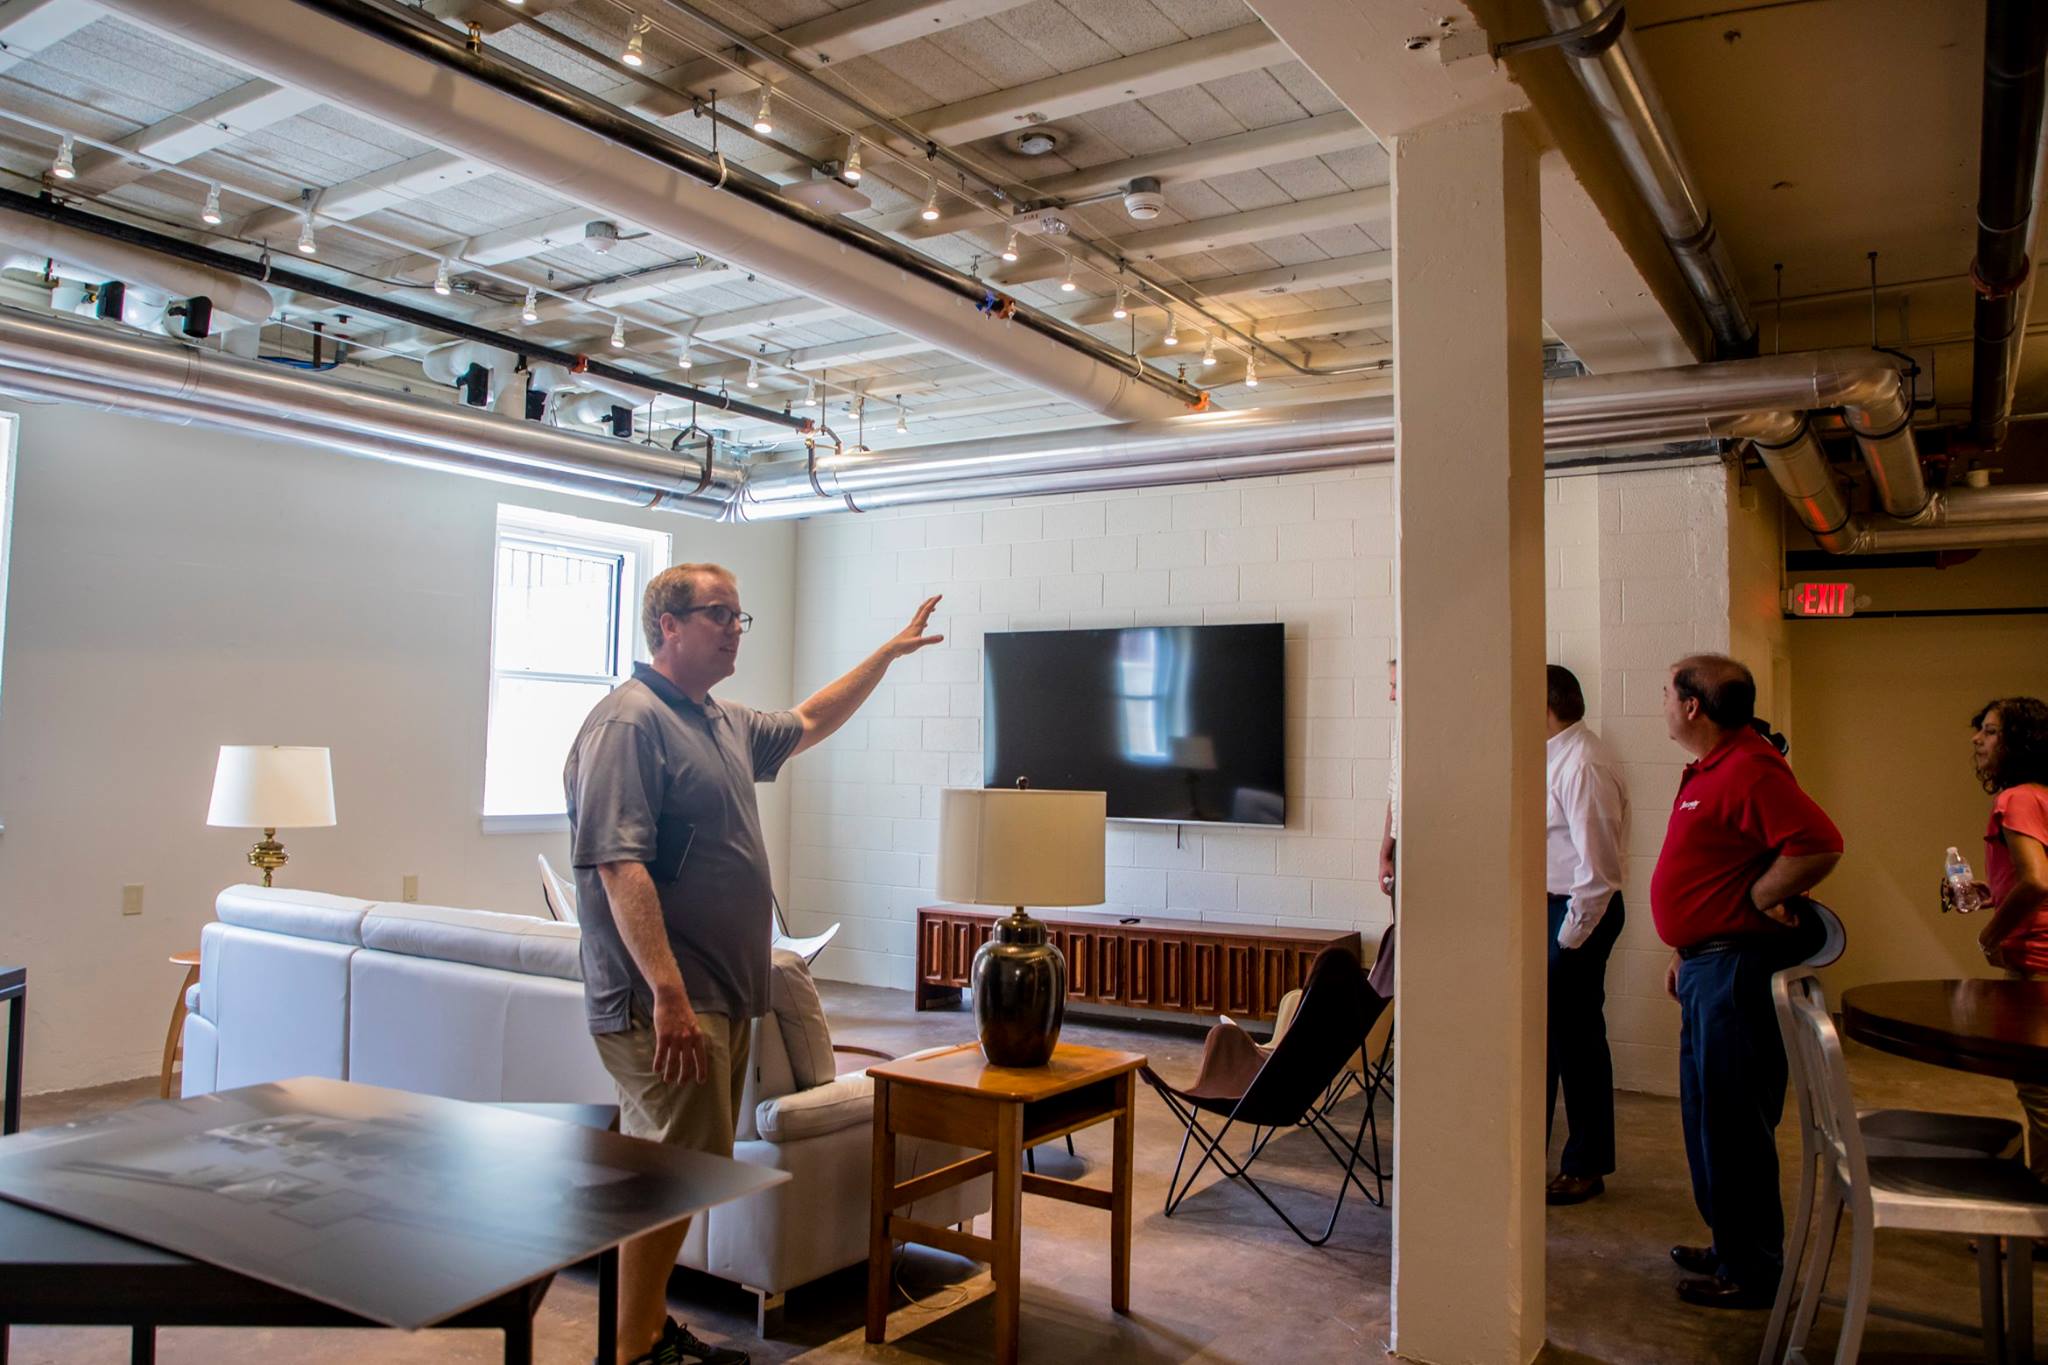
[[937, 1303]]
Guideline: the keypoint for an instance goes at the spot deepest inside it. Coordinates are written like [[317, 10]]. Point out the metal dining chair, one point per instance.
[[1885, 1170]]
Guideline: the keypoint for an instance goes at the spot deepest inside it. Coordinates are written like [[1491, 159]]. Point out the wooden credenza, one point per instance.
[[1176, 966]]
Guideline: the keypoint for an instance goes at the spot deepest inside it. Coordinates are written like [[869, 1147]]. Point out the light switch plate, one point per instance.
[[131, 899]]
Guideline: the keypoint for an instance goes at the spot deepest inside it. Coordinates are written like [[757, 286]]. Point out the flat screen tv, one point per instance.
[[1175, 723]]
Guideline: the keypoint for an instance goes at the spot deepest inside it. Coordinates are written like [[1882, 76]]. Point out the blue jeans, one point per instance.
[[1580, 1062], [1731, 1090]]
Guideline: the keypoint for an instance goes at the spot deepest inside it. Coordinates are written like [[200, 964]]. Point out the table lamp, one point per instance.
[[1019, 847], [271, 787]]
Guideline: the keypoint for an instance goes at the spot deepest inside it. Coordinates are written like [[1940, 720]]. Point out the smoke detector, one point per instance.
[[601, 235], [1038, 140], [1142, 199]]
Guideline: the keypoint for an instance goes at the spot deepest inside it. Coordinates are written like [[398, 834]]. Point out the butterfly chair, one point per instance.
[[1371, 1065], [1282, 1088]]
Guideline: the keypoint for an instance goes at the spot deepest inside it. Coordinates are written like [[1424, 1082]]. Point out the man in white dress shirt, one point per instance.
[[1588, 809]]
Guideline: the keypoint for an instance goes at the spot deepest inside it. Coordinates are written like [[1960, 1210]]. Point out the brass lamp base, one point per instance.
[[268, 854]]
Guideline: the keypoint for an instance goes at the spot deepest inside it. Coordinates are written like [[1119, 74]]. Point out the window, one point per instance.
[[565, 630]]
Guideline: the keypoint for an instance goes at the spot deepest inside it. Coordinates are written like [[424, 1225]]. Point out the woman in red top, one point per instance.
[[2010, 744]]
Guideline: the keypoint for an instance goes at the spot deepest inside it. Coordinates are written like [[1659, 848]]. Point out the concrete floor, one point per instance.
[[1220, 1281]]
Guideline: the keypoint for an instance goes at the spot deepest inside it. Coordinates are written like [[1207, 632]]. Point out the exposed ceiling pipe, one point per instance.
[[71, 359], [27, 208], [102, 259], [129, 372], [2008, 162], [1607, 64], [391, 66]]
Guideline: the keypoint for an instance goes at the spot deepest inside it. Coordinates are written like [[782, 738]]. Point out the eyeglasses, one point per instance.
[[721, 616]]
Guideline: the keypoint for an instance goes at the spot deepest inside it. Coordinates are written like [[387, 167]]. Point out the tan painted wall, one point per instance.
[[1883, 709]]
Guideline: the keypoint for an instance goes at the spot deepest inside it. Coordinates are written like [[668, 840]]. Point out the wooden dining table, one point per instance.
[[1991, 1027]]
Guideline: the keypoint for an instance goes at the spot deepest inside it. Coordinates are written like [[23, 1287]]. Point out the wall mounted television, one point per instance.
[[1178, 724]]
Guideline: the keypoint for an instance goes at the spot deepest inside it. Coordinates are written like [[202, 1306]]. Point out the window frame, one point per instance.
[[644, 553]]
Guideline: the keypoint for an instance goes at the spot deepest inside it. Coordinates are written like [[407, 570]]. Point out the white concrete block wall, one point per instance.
[[1314, 552]]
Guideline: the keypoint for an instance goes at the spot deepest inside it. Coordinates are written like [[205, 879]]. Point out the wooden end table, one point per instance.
[[174, 1041], [955, 1096]]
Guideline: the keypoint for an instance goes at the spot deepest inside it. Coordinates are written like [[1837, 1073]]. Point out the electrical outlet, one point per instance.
[[131, 899], [411, 885]]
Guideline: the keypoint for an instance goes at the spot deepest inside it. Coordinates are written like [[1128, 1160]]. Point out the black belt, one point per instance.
[[1733, 943]]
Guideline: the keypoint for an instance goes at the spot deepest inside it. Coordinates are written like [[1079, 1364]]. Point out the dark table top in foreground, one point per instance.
[[402, 1209], [1990, 1027], [12, 980]]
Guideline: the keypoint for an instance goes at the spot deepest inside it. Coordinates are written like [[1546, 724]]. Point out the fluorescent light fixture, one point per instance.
[[62, 167], [210, 215], [530, 310], [442, 285]]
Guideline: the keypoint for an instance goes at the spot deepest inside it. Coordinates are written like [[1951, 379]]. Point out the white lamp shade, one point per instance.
[[1001, 846], [272, 786]]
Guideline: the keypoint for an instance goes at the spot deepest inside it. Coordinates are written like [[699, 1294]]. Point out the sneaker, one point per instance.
[[690, 1350]]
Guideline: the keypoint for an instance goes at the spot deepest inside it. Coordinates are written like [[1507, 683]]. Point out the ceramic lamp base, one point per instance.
[[1020, 993]]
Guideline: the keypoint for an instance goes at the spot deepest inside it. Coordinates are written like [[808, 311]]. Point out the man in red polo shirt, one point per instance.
[[1743, 840]]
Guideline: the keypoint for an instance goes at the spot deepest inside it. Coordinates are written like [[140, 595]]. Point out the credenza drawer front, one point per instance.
[[931, 953], [1175, 973], [1141, 971], [1109, 968], [1240, 989]]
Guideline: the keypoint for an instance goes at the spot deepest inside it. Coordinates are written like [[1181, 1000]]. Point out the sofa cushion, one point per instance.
[[482, 938], [842, 1103], [302, 914], [557, 892], [793, 996]]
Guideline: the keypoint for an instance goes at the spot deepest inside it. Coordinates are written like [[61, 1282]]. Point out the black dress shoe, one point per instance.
[[1573, 1189], [1712, 1291], [1695, 1260]]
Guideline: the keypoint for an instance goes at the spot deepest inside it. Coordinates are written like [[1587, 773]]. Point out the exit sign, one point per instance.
[[1822, 599]]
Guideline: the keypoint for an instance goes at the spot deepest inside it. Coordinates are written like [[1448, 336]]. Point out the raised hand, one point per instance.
[[912, 638]]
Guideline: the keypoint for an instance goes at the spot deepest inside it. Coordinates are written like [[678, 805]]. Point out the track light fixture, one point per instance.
[[930, 211], [810, 393], [1120, 312], [851, 172], [1209, 352], [442, 285], [1067, 285], [62, 167], [618, 332], [684, 361], [753, 374], [902, 417], [306, 244], [210, 214], [529, 312], [764, 117], [1172, 329], [1251, 370], [635, 54], [1010, 249]]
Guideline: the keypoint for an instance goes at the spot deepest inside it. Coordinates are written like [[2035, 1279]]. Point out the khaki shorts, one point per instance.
[[700, 1117]]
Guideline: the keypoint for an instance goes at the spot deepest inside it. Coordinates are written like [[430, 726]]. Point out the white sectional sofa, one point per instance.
[[479, 1005]]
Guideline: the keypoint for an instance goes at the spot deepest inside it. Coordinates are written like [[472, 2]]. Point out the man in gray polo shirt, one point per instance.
[[674, 896]]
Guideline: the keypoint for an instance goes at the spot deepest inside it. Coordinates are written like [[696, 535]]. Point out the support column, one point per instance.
[[1468, 1130]]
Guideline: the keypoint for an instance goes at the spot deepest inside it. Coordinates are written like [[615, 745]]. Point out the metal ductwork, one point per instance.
[[421, 77], [1603, 56], [85, 255], [1761, 400], [59, 358], [2008, 165]]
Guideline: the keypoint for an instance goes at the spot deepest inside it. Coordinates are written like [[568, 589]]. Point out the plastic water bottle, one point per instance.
[[1962, 883]]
